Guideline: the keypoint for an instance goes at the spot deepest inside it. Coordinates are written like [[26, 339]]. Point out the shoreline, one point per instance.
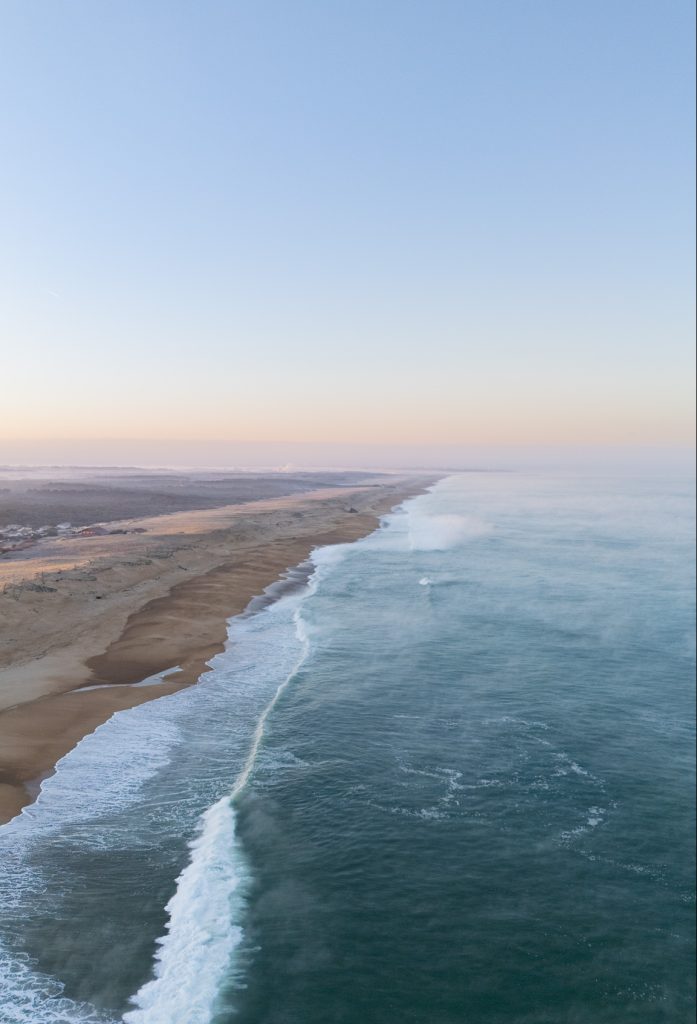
[[161, 614]]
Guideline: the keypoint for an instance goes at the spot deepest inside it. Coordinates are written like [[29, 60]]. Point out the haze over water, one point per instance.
[[462, 767]]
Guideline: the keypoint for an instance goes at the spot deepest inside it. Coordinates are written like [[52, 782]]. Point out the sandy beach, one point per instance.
[[83, 619]]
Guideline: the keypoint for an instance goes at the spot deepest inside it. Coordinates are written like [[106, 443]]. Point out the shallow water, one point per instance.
[[462, 760]]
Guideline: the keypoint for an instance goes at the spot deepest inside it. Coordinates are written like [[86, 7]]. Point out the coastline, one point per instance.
[[102, 618]]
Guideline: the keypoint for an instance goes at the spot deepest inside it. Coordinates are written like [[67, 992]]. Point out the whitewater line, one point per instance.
[[201, 933], [258, 733]]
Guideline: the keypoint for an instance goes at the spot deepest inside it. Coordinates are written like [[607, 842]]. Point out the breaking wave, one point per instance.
[[206, 911], [201, 936]]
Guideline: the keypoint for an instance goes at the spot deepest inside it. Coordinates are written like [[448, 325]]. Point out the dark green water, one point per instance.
[[472, 801], [492, 817]]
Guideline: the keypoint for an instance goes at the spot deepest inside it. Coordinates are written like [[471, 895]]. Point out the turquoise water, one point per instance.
[[461, 762]]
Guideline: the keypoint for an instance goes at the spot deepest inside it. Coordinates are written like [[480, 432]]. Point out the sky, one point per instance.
[[348, 222]]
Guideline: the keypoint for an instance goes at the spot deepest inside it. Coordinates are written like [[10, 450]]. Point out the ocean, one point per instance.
[[445, 776]]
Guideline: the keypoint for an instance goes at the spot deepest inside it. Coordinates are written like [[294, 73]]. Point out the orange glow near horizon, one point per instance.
[[372, 245], [527, 427]]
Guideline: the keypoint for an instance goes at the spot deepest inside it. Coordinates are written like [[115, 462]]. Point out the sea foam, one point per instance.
[[201, 936], [29, 997], [206, 911]]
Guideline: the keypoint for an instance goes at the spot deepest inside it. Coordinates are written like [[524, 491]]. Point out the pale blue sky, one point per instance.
[[392, 221]]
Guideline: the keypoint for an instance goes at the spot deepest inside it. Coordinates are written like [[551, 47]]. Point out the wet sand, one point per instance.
[[109, 612]]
